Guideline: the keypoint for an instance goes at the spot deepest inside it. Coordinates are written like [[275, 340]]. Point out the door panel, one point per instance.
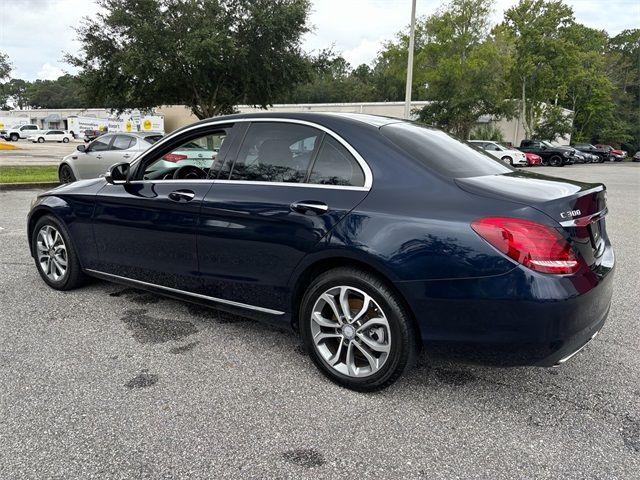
[[251, 238], [145, 231]]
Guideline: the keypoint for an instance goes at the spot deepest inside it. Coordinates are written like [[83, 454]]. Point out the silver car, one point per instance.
[[93, 160]]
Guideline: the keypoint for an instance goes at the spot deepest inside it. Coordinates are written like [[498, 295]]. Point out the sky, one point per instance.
[[36, 33]]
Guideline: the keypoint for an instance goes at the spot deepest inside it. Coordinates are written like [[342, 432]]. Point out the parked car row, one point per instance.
[[540, 152], [31, 132]]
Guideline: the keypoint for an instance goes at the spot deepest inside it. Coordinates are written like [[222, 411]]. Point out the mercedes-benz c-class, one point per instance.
[[372, 237]]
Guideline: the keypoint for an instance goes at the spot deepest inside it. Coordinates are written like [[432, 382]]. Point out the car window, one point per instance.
[[200, 152], [275, 152], [122, 142], [100, 144], [442, 152], [334, 165], [152, 138]]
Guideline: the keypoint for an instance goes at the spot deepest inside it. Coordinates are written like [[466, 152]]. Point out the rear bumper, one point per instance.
[[519, 318]]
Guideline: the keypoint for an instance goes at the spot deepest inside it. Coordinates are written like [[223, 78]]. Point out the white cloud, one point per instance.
[[49, 72], [37, 33]]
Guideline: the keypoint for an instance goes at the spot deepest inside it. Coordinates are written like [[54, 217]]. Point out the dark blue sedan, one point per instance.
[[373, 237]]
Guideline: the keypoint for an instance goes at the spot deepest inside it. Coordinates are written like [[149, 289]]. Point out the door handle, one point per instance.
[[308, 206], [126, 155], [98, 157], [182, 196]]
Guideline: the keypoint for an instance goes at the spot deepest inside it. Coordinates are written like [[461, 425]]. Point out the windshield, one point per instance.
[[547, 144], [442, 152]]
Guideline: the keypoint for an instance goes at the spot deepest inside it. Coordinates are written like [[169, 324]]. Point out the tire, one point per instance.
[[65, 174], [14, 137], [65, 140], [40, 140], [507, 159], [395, 337], [556, 161], [51, 270]]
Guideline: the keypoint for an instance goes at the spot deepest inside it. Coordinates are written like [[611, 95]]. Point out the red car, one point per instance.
[[618, 155], [533, 160]]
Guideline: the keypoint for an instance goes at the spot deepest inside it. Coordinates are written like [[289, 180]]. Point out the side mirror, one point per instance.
[[118, 173], [81, 148]]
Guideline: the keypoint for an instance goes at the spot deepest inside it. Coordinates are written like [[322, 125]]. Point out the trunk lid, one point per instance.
[[579, 208]]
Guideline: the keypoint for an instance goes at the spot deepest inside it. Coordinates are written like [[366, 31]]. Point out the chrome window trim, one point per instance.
[[251, 182], [368, 174], [184, 292]]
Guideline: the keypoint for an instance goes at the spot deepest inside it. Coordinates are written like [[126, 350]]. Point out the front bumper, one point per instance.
[[518, 318]]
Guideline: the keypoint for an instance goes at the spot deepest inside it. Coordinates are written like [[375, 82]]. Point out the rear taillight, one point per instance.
[[534, 245], [174, 157]]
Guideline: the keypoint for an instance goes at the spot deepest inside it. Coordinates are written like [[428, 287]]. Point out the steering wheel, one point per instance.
[[189, 172]]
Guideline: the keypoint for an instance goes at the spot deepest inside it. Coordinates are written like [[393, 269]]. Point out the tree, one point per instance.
[[586, 89], [65, 92], [5, 67], [540, 51], [552, 123], [463, 68], [624, 72], [208, 54], [5, 70], [15, 91], [332, 80]]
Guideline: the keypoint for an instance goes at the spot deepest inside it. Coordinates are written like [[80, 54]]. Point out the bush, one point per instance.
[[487, 132]]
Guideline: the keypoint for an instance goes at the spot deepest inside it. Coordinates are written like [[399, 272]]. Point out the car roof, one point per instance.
[[320, 118]]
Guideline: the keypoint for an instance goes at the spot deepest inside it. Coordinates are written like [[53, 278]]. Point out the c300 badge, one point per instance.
[[571, 214]]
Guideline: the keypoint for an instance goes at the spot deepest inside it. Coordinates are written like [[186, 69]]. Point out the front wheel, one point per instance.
[[14, 137], [40, 140], [357, 330], [65, 140], [55, 256]]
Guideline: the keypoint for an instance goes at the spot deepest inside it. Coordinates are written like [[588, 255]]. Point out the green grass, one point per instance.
[[23, 174]]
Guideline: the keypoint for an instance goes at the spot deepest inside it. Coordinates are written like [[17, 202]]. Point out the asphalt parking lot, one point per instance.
[[29, 153], [111, 382]]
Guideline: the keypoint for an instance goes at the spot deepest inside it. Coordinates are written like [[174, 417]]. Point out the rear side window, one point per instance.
[[442, 152], [335, 166], [275, 152], [122, 142]]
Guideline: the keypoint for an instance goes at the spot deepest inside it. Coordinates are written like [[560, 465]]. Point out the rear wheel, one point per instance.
[[55, 255], [65, 140], [555, 161], [65, 174], [356, 329]]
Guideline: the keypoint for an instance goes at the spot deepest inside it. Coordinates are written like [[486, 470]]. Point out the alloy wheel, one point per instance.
[[350, 331], [52, 253]]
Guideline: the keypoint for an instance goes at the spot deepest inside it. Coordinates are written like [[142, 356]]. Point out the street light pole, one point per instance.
[[412, 34]]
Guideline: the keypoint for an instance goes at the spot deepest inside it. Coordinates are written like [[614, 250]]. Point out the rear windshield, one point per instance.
[[442, 152]]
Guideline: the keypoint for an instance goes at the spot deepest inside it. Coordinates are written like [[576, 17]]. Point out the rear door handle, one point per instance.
[[182, 196], [98, 157], [310, 206]]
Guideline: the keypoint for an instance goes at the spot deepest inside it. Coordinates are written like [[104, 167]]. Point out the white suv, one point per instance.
[[512, 157]]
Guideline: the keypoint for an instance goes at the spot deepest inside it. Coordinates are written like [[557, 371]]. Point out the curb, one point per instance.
[[28, 186]]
